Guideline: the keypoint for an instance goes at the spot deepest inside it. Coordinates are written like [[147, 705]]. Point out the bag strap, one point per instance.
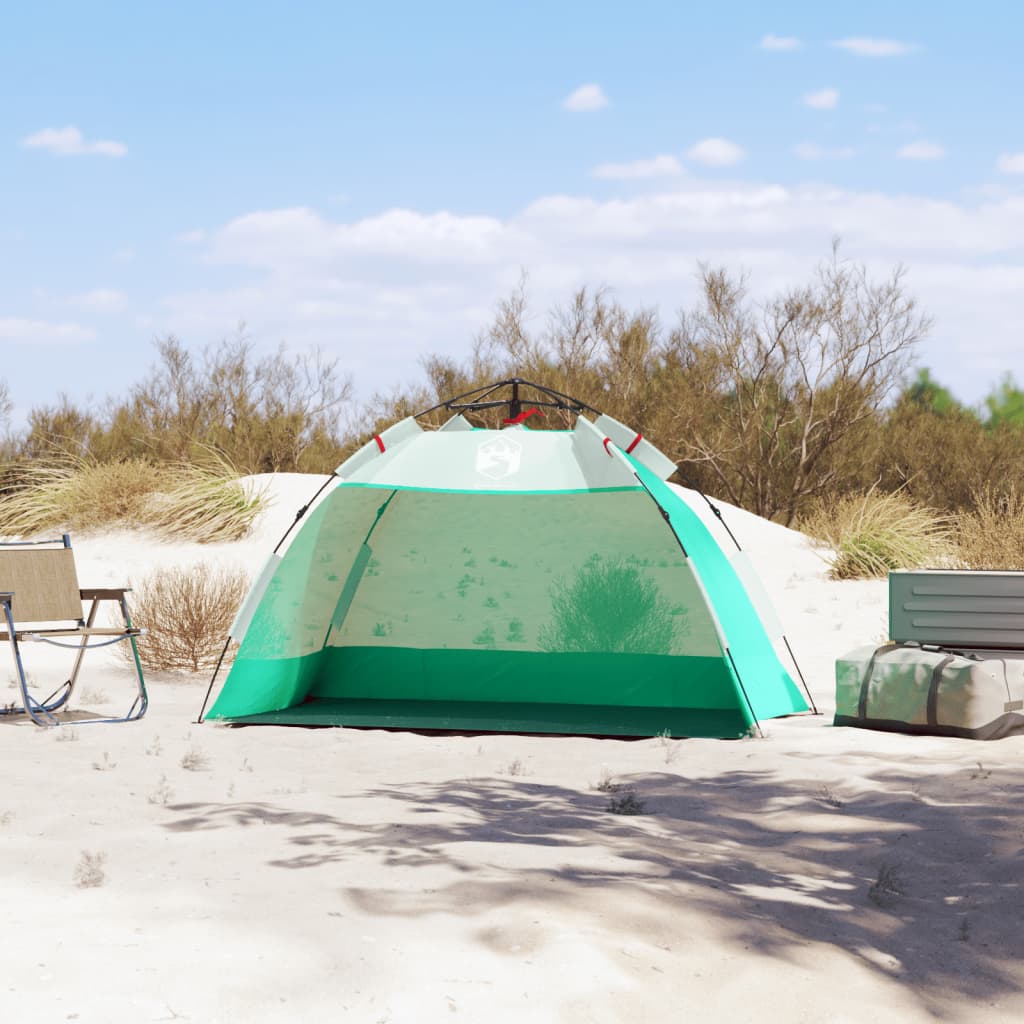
[[933, 689]]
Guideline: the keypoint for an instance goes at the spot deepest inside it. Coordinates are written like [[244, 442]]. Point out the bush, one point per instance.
[[182, 501], [991, 536], [187, 613], [872, 533]]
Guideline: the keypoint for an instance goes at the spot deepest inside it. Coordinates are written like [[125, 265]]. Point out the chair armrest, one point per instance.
[[103, 593]]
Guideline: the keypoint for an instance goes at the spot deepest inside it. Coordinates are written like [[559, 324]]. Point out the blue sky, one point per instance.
[[371, 179]]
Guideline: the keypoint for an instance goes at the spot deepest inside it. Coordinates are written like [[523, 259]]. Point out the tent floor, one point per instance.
[[484, 716]]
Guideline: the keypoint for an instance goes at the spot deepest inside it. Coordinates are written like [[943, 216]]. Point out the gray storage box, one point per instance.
[[957, 608]]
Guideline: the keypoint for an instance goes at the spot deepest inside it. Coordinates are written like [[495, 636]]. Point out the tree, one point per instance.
[[776, 396], [927, 394], [1005, 404]]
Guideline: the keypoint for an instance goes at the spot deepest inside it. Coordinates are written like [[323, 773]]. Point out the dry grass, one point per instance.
[[992, 535], [872, 533], [182, 501], [89, 873], [187, 613]]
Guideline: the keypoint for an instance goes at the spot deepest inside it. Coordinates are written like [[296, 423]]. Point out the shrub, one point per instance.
[[187, 613], [608, 605], [991, 536], [872, 533]]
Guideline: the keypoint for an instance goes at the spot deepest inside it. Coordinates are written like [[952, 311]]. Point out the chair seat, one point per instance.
[[86, 631]]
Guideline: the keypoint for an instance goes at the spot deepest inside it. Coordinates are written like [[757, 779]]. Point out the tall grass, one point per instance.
[[872, 533], [991, 535], [181, 501]]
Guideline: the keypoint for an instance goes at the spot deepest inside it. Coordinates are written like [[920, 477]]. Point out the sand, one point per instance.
[[270, 874]]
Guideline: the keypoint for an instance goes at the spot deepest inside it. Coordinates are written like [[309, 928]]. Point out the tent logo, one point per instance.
[[499, 457]]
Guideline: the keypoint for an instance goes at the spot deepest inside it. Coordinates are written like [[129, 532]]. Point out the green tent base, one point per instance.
[[488, 716]]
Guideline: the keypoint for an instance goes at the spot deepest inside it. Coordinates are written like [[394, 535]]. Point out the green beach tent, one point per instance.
[[511, 580]]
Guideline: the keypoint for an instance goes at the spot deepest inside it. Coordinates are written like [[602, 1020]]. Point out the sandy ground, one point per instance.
[[271, 874]]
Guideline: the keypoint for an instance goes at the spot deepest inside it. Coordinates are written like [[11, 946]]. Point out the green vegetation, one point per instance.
[[189, 501], [872, 533], [795, 406]]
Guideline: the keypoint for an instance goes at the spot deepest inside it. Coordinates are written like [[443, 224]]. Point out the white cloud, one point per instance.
[[862, 46], [101, 300], [585, 98], [69, 141], [921, 151], [812, 151], [823, 99], [716, 153], [773, 42], [663, 166], [1010, 163], [382, 291], [21, 331]]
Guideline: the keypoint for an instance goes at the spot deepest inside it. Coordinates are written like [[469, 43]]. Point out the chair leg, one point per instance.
[[138, 708], [90, 621], [39, 713]]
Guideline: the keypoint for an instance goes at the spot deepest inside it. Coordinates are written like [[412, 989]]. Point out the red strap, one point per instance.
[[607, 441], [523, 416], [636, 440], [380, 443]]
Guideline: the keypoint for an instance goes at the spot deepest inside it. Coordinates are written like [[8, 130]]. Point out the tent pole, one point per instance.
[[302, 511], [803, 682], [725, 526], [746, 697], [213, 679]]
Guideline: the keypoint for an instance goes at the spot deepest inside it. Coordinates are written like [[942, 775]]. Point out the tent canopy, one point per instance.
[[519, 580]]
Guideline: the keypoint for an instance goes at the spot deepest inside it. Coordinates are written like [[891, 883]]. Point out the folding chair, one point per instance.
[[40, 601]]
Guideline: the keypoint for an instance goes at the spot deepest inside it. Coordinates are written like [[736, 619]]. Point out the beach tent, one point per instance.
[[505, 579]]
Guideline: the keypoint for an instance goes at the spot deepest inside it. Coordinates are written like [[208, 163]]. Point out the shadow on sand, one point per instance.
[[917, 877]]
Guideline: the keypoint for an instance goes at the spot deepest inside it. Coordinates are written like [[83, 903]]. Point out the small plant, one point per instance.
[[66, 734], [605, 784], [6, 817], [887, 886], [964, 931], [669, 746], [195, 760], [982, 772], [485, 638], [246, 765], [872, 533], [186, 613], [92, 697], [163, 794], [626, 803], [515, 634], [105, 764], [155, 748], [829, 797], [89, 873], [515, 767]]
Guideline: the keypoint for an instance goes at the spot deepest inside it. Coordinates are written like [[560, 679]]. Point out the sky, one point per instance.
[[370, 180]]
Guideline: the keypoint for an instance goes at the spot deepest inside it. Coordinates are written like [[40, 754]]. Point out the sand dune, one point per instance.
[[270, 874]]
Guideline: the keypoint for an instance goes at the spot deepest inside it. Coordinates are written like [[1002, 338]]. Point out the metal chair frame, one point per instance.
[[51, 625]]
